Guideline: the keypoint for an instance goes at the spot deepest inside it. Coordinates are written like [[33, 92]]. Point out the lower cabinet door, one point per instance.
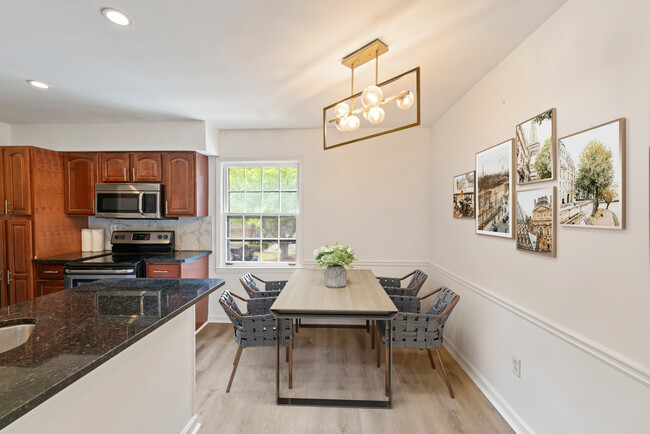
[[19, 260], [46, 287]]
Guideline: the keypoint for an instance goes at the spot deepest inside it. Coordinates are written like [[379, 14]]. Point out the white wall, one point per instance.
[[143, 136], [372, 195], [5, 134], [579, 322]]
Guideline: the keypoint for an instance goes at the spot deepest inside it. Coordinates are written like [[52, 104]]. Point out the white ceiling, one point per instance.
[[242, 63]]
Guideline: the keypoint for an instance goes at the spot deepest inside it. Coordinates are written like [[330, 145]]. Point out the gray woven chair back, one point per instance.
[[255, 330], [275, 285], [417, 281], [405, 303], [444, 298], [227, 300], [389, 282], [248, 281], [260, 305], [420, 330]]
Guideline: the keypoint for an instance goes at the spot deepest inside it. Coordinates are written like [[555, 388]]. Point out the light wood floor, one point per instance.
[[333, 363]]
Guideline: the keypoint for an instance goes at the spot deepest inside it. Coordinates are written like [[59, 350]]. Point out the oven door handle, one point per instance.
[[100, 272], [140, 210]]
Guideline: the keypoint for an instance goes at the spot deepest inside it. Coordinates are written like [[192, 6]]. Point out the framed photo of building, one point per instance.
[[592, 177], [464, 195], [535, 220], [494, 190], [535, 148]]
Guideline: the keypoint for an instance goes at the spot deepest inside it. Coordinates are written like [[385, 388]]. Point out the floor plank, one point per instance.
[[333, 363]]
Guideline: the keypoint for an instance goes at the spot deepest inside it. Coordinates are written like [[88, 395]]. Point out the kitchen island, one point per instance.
[[116, 355]]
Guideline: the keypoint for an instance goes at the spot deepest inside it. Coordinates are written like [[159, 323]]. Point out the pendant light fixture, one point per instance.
[[346, 118]]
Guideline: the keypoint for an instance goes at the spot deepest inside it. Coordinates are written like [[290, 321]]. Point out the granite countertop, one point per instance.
[[79, 329], [180, 256], [176, 257], [69, 257]]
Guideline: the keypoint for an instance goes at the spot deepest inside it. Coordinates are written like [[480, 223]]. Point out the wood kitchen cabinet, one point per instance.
[[115, 166], [185, 176], [195, 269], [81, 173], [50, 279], [17, 198], [131, 167], [146, 167], [4, 298], [19, 260]]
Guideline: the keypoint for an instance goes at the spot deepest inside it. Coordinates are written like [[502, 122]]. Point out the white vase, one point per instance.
[[335, 276]]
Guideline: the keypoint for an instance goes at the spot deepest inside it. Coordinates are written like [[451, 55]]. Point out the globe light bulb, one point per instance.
[[365, 114], [372, 96], [352, 123], [341, 124], [376, 115], [405, 101], [341, 110]]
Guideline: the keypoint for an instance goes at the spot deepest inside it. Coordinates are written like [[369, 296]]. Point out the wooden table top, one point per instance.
[[306, 294]]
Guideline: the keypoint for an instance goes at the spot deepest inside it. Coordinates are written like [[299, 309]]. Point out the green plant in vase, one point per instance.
[[335, 258]]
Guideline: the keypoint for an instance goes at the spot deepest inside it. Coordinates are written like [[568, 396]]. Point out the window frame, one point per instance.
[[225, 213]]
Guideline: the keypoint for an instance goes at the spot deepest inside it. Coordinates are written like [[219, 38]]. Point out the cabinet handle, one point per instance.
[[160, 271], [165, 207], [6, 207], [133, 172], [8, 277], [94, 208], [124, 170], [50, 272]]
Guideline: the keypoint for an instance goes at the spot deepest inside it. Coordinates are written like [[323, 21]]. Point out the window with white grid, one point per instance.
[[261, 213]]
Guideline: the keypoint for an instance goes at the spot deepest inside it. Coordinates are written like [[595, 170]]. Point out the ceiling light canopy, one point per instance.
[[116, 17], [39, 84], [372, 98]]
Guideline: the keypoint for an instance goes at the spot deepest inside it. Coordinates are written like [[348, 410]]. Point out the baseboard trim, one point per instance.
[[600, 352], [509, 414], [192, 426]]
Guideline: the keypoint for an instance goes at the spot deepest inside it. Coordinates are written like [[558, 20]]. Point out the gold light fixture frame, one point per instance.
[[371, 51]]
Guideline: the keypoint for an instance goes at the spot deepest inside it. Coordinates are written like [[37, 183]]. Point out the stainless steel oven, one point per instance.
[[129, 201], [78, 276]]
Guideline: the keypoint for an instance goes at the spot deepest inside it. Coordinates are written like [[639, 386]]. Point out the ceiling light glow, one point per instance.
[[39, 84], [116, 17]]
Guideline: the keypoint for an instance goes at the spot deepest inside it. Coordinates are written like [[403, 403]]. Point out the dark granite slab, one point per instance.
[[79, 329], [69, 257], [180, 256]]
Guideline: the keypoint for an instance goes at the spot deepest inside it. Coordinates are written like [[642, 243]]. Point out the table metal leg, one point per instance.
[[389, 341], [277, 362]]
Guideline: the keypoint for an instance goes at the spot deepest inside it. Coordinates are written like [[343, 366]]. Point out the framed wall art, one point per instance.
[[535, 220], [592, 177], [535, 148], [494, 190], [463, 195]]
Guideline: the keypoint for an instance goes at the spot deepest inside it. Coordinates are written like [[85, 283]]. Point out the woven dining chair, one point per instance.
[[256, 328], [420, 330], [393, 287], [272, 288]]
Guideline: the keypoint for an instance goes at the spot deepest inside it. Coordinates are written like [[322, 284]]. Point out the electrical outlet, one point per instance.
[[516, 366]]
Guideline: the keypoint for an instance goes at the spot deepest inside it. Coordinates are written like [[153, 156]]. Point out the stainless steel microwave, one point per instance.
[[129, 201]]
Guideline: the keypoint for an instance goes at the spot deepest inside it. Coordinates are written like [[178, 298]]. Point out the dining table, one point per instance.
[[305, 297]]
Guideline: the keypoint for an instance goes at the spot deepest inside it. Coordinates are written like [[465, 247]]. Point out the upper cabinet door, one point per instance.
[[115, 167], [81, 174], [146, 167], [17, 181], [180, 182]]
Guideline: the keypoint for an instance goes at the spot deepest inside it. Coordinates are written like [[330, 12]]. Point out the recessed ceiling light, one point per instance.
[[116, 17], [39, 84]]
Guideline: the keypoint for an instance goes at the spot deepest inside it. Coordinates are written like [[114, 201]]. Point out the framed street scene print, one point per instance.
[[494, 190]]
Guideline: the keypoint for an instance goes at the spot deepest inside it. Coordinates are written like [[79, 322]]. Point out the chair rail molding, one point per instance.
[[606, 355]]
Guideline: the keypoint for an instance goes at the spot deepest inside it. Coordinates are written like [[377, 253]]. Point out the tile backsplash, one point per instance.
[[192, 233]]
